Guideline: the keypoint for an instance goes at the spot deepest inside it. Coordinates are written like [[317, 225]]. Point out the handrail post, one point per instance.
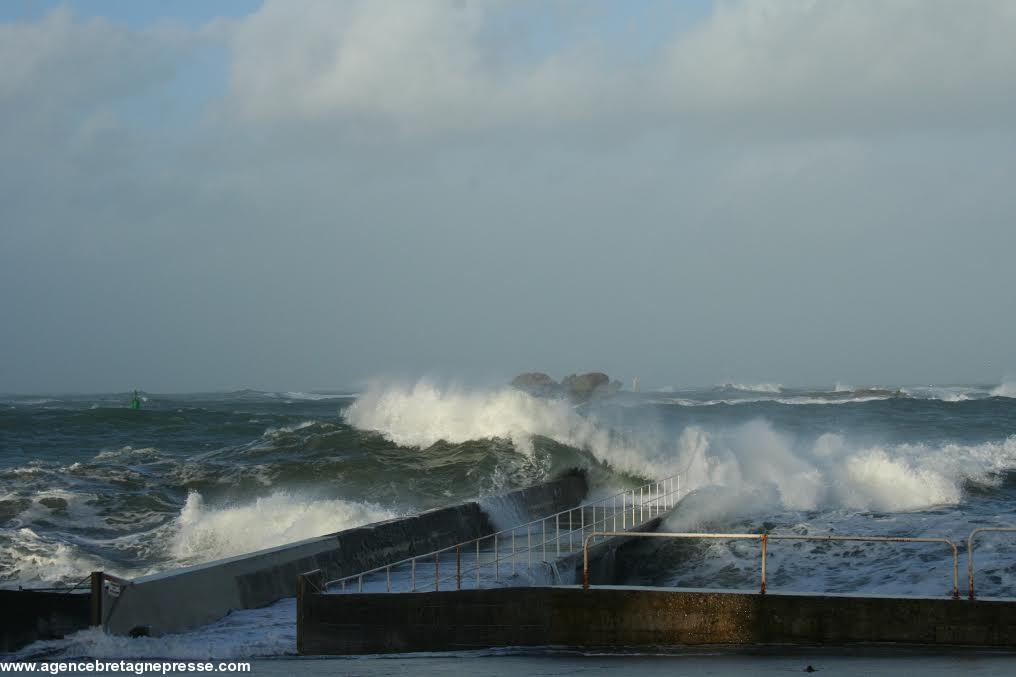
[[970, 553], [557, 533], [388, 579], [585, 562], [765, 546], [642, 506], [956, 573], [970, 563], [633, 507], [570, 548]]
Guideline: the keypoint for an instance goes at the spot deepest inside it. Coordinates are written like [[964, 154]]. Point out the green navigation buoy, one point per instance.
[[136, 402]]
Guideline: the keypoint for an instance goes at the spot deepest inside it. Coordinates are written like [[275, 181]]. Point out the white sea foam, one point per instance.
[[271, 432], [831, 400], [755, 387], [70, 508], [245, 634], [202, 533], [831, 471], [1006, 389], [422, 415], [795, 400], [312, 397], [32, 559]]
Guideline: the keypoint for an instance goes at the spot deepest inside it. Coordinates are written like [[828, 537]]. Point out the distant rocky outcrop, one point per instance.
[[536, 383], [588, 386], [579, 387]]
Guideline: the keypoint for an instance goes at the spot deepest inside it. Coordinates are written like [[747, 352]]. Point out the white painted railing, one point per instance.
[[764, 540], [522, 549]]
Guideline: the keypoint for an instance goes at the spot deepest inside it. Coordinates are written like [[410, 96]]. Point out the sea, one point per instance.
[[87, 483]]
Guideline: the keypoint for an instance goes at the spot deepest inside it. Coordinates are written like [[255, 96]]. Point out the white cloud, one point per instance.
[[916, 59], [428, 66], [419, 66], [63, 63], [772, 186]]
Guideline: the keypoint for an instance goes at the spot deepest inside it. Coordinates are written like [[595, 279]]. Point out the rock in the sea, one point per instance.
[[536, 383], [587, 386], [579, 387], [54, 503]]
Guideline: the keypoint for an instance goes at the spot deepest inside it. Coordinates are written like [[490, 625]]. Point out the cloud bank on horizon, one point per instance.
[[315, 193]]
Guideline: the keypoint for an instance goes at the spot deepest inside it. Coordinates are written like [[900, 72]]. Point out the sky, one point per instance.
[[316, 194]]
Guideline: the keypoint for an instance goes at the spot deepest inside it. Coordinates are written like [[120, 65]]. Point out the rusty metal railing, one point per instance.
[[764, 540], [970, 553]]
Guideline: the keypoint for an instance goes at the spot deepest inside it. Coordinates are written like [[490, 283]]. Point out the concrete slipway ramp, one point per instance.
[[184, 599]]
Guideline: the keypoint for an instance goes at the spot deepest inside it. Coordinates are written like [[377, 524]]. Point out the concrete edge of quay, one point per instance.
[[617, 618]]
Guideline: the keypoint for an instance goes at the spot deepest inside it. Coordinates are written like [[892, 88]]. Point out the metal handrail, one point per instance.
[[661, 496], [496, 560], [970, 554], [765, 538]]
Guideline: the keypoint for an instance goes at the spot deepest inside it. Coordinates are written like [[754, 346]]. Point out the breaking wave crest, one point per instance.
[[202, 533], [1006, 389], [422, 415], [753, 459], [754, 387], [762, 465]]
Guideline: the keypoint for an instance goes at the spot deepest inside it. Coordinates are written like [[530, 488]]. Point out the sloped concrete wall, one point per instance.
[[187, 598], [605, 618]]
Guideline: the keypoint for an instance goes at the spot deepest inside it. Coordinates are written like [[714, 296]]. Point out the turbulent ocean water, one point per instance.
[[86, 483]]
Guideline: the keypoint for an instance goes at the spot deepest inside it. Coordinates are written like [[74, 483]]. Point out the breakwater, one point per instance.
[[188, 598]]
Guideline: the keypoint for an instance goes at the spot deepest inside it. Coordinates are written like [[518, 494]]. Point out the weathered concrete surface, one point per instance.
[[188, 598], [30, 615], [632, 617]]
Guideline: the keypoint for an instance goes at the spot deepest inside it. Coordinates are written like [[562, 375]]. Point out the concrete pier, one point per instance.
[[627, 617], [188, 598]]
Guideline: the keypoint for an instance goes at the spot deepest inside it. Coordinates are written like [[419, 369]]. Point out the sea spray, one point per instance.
[[424, 414], [1006, 389], [829, 471], [204, 533], [87, 484]]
